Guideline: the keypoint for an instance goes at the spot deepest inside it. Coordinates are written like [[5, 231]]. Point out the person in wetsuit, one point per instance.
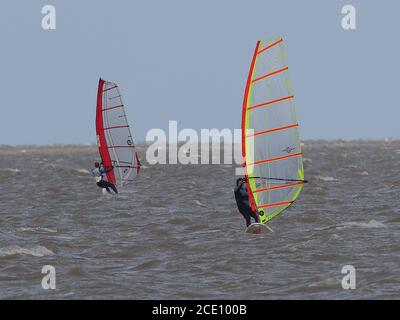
[[242, 201], [98, 172]]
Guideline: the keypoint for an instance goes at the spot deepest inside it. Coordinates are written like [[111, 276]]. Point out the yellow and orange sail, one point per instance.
[[272, 156]]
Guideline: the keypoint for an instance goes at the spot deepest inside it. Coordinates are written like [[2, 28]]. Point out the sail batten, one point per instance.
[[114, 138], [270, 102], [270, 138], [270, 46], [273, 130], [269, 74]]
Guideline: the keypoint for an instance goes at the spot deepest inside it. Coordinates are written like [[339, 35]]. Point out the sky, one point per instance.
[[188, 61]]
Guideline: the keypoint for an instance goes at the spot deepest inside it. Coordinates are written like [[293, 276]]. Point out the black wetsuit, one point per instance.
[[242, 201], [107, 185]]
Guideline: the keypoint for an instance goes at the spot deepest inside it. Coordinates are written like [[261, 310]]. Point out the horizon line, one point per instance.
[[93, 144]]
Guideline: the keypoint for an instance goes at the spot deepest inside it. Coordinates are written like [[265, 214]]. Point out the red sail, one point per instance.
[[114, 139], [101, 139]]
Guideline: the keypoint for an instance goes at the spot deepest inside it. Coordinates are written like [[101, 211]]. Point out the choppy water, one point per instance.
[[178, 235]]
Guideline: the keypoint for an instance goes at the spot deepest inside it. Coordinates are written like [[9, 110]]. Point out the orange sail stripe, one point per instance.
[[272, 130], [270, 102], [286, 185], [276, 204], [270, 46], [276, 159], [269, 74]]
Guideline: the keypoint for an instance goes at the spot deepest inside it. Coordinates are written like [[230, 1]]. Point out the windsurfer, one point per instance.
[[98, 172], [242, 201]]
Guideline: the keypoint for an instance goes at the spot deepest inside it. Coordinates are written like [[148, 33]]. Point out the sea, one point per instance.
[[175, 232]]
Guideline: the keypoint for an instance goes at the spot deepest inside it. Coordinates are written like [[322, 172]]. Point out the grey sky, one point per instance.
[[188, 61]]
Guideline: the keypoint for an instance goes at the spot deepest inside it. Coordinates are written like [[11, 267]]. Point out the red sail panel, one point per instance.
[[244, 133], [101, 139]]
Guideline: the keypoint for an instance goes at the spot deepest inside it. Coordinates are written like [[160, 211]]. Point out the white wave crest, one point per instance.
[[372, 224], [328, 179], [36, 251], [37, 229], [369, 225], [85, 171], [10, 170], [199, 203]]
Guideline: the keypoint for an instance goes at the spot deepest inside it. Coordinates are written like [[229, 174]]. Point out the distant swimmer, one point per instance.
[[242, 201], [98, 172]]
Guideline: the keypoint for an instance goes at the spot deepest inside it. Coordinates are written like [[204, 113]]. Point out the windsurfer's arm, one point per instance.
[[95, 172], [102, 170]]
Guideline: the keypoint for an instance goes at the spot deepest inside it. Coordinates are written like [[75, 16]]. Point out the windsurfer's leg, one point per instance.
[[110, 185], [254, 216], [104, 185], [250, 214], [113, 187], [248, 220], [246, 216]]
